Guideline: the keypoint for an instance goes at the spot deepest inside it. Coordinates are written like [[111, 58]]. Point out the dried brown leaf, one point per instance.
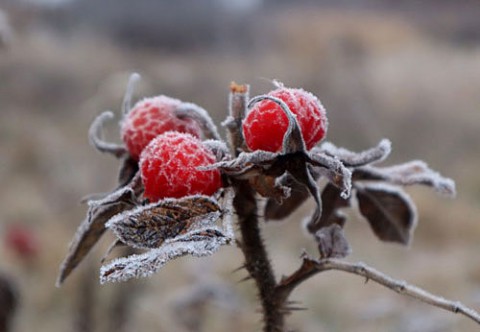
[[389, 211], [332, 242]]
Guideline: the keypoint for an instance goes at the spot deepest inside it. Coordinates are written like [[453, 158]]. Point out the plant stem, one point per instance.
[[257, 262]]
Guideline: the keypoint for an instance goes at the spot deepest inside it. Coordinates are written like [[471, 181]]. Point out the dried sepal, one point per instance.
[[128, 169], [356, 159], [148, 226], [331, 214], [409, 173], [93, 227], [95, 135], [332, 242], [127, 98], [197, 244], [246, 165], [278, 210], [389, 211], [200, 116], [334, 171]]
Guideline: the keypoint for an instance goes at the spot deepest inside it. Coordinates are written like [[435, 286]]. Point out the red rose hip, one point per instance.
[[151, 117], [169, 167], [266, 123]]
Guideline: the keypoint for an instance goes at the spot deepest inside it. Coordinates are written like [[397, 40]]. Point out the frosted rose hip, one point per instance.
[[266, 123], [169, 167], [151, 117]]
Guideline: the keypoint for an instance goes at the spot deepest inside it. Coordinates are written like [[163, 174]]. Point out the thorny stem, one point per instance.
[[257, 262], [311, 267]]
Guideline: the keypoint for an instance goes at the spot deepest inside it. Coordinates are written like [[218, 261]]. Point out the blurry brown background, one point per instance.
[[409, 72]]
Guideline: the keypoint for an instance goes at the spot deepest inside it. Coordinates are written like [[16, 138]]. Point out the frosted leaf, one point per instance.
[[144, 265], [332, 242], [93, 227], [95, 136], [149, 226], [355, 159], [201, 116], [334, 171], [410, 173], [389, 211]]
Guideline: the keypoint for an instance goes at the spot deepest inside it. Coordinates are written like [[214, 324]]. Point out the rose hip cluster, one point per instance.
[[170, 151]]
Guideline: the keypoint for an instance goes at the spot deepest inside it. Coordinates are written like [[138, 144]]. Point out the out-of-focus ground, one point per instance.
[[407, 72]]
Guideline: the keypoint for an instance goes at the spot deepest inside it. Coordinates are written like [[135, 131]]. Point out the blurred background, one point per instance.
[[408, 71]]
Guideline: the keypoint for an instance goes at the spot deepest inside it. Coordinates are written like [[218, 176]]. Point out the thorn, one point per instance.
[[247, 278], [241, 267]]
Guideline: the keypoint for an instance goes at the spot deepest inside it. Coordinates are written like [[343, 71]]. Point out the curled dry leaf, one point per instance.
[[389, 211], [93, 227], [332, 242]]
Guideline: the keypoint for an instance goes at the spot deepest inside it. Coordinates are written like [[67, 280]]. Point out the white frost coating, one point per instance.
[[244, 163], [144, 265], [374, 155], [416, 172]]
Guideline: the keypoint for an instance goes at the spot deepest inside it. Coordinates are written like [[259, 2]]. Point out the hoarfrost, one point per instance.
[[410, 173], [355, 159], [144, 265]]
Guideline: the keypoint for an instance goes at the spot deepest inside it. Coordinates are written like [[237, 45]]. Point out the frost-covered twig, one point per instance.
[[311, 267]]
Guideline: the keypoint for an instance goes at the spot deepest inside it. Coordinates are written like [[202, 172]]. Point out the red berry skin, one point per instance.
[[169, 167], [266, 123], [151, 117]]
